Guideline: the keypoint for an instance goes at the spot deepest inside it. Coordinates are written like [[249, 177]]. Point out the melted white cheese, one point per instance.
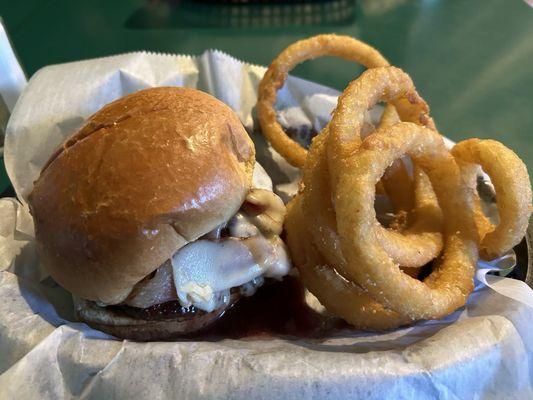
[[204, 271], [201, 297], [203, 268]]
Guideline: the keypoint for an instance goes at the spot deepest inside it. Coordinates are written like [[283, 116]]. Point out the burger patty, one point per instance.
[[157, 322], [171, 310], [163, 311]]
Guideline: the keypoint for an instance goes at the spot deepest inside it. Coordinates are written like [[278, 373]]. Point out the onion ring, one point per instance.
[[470, 173], [414, 247], [513, 192], [405, 193], [322, 45], [338, 295], [357, 268], [388, 84], [397, 180], [368, 264], [423, 241]]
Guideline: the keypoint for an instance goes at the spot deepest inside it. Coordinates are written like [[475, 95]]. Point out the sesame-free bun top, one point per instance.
[[145, 175]]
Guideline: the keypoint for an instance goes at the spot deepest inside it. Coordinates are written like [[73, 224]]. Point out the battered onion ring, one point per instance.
[[470, 173], [274, 78], [405, 192], [387, 84], [414, 247], [513, 191], [423, 241], [338, 295], [389, 117], [368, 264], [396, 181], [399, 187]]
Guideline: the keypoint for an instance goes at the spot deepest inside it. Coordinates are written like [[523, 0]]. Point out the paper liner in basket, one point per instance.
[[484, 350]]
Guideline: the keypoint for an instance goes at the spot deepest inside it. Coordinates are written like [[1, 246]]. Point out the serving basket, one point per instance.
[[524, 258]]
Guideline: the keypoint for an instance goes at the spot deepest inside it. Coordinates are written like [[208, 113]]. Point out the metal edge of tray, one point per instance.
[[529, 246]]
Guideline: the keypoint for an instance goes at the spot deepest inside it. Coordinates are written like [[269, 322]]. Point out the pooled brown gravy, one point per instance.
[[276, 309]]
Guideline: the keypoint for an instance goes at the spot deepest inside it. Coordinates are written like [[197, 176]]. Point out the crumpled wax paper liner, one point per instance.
[[484, 350]]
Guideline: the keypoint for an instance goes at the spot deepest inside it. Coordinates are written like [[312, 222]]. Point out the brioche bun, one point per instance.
[[145, 175]]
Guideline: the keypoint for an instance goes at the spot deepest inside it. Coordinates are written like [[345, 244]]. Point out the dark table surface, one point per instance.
[[471, 60]]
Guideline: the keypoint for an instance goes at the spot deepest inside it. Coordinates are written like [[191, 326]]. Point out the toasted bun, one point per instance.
[[145, 175]]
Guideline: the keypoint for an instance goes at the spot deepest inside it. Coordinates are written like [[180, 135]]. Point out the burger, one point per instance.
[[155, 216]]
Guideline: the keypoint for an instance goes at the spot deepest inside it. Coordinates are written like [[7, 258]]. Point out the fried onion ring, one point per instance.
[[389, 84], [397, 183], [357, 268], [368, 263], [407, 193], [513, 192], [470, 173], [337, 294], [414, 247], [423, 241], [322, 45]]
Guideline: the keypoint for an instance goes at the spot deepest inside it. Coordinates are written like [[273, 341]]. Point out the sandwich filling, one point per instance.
[[236, 256]]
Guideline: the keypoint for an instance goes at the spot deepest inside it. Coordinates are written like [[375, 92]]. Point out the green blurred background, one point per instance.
[[471, 60]]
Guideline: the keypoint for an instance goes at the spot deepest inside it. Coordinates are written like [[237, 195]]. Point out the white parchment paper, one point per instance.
[[484, 350]]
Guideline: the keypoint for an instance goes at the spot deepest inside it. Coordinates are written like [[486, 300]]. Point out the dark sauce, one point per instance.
[[164, 311], [277, 309]]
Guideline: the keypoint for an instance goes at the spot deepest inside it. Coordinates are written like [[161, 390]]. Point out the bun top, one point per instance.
[[145, 175]]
